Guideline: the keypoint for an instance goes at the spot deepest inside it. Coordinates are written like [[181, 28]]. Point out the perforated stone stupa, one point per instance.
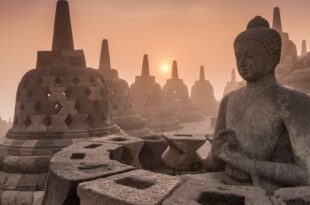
[[58, 103], [233, 84], [4, 126], [292, 71], [147, 99], [176, 95], [122, 110], [289, 54], [202, 95]]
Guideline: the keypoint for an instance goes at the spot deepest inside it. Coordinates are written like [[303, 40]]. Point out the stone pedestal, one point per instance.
[[204, 193], [181, 154], [135, 187], [292, 196], [79, 163], [150, 155], [132, 147]]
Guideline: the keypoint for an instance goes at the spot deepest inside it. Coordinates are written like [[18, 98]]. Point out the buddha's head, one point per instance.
[[257, 50]]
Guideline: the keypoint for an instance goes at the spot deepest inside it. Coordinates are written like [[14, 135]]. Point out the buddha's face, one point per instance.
[[253, 61]]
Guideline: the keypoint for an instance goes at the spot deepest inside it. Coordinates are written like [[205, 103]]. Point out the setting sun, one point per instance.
[[165, 68]]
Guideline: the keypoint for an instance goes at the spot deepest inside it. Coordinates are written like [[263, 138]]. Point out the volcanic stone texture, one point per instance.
[[203, 193], [292, 196], [79, 163], [151, 152], [132, 188], [132, 147], [181, 153]]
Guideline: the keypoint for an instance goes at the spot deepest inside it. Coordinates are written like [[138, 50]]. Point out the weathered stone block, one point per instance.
[[150, 155], [78, 163], [181, 153], [8, 197], [292, 196], [132, 188], [132, 147], [38, 198], [24, 198], [195, 192]]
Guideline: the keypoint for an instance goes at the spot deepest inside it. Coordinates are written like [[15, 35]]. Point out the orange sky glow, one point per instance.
[[193, 32]]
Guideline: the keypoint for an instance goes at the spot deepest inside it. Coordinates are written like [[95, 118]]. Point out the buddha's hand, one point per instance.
[[224, 136], [236, 159]]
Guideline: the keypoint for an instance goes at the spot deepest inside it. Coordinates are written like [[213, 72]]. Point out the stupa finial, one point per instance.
[[105, 62], [145, 66], [63, 37], [304, 48], [277, 23], [202, 73], [175, 72]]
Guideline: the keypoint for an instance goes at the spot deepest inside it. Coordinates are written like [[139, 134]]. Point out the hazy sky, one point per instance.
[[193, 32]]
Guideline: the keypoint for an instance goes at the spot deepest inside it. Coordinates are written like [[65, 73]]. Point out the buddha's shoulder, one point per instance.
[[290, 96]]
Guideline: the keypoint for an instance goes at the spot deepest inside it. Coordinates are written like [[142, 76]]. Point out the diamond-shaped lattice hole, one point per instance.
[[39, 81], [96, 106], [67, 92], [87, 92], [76, 80], [90, 120], [57, 107], [48, 93], [47, 121], [37, 106], [68, 120], [57, 81], [29, 93], [28, 121]]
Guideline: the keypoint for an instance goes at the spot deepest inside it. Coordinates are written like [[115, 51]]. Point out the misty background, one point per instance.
[[193, 32]]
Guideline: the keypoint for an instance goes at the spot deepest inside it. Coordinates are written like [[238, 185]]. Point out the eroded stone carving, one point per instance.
[[267, 124]]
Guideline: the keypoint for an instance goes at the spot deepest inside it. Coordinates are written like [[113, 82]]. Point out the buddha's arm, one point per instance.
[[213, 163], [296, 118], [288, 174]]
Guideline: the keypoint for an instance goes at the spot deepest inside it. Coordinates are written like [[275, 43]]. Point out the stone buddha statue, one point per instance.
[[262, 136]]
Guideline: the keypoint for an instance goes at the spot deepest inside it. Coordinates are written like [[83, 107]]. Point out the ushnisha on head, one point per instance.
[[257, 50]]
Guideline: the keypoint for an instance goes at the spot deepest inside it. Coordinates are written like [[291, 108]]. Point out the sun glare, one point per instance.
[[165, 68]]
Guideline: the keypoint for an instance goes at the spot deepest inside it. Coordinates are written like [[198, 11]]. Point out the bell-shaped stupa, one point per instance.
[[289, 54], [233, 84], [202, 96], [123, 113], [299, 78], [176, 95], [147, 100], [58, 103]]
